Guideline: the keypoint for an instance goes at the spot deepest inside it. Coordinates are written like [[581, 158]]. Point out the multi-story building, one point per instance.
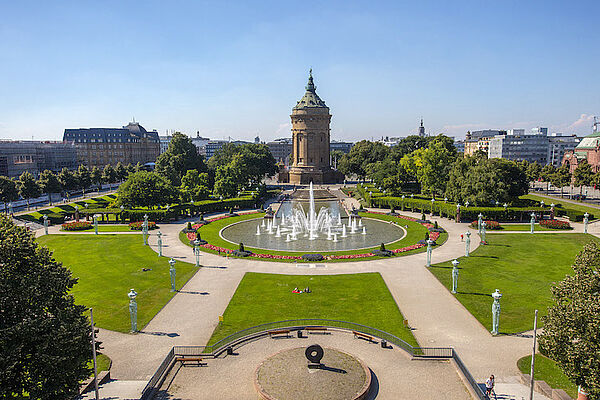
[[17, 157], [344, 147], [97, 147], [479, 140], [558, 145], [517, 145], [281, 150], [459, 145], [588, 149], [200, 142], [212, 146], [164, 143]]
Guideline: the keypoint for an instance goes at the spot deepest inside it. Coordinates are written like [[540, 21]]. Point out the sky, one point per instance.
[[236, 69]]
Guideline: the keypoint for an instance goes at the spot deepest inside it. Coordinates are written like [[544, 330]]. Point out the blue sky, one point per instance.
[[237, 68]]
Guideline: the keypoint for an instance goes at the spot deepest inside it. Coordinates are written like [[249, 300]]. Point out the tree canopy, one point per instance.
[[8, 190], [571, 336], [360, 156], [146, 189], [194, 186], [253, 162], [28, 187], [44, 337], [181, 156]]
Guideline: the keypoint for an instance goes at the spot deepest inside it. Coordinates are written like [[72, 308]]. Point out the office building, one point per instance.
[[281, 150], [97, 147], [17, 157], [344, 147], [517, 145]]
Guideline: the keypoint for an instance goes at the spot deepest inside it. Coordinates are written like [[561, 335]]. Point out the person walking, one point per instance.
[[489, 387]]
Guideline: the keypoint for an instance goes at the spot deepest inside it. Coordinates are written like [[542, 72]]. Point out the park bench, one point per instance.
[[285, 332], [358, 335], [183, 360], [318, 329]]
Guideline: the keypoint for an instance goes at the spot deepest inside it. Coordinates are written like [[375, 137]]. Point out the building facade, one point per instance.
[[311, 140], [337, 145], [559, 145], [34, 157], [517, 145], [281, 149], [588, 149], [97, 147]]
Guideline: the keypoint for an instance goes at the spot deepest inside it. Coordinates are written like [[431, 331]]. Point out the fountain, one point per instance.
[[364, 231], [257, 230], [278, 234]]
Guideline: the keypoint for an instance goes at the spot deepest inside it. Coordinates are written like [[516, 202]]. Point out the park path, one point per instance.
[[438, 319]]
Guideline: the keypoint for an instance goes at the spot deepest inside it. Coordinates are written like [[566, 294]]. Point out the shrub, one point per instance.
[[77, 226], [137, 226], [382, 247], [489, 225], [426, 235], [313, 257], [555, 224]]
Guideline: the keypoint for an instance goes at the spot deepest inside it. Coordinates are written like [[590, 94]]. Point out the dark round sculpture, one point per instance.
[[314, 353]]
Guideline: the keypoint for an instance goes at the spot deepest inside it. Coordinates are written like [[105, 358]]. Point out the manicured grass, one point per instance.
[[107, 266], [415, 232], [114, 228], [524, 227], [102, 363], [523, 267], [565, 205], [548, 371], [360, 298]]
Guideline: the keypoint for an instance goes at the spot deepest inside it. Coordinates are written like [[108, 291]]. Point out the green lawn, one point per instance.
[[415, 232], [360, 298], [102, 363], [107, 266], [115, 228], [580, 206], [548, 371], [523, 267]]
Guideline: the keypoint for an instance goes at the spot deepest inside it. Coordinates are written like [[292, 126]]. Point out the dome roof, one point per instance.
[[310, 99]]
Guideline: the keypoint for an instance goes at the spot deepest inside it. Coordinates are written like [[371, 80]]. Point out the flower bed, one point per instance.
[[489, 225], [137, 226], [555, 224], [76, 226]]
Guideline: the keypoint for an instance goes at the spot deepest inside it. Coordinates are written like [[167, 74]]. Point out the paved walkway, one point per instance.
[[438, 319]]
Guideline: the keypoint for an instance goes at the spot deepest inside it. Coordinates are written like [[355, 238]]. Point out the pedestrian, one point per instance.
[[489, 387], [461, 237]]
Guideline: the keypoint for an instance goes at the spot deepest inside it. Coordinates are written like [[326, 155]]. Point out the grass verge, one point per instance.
[[360, 298], [548, 371], [107, 266], [522, 267]]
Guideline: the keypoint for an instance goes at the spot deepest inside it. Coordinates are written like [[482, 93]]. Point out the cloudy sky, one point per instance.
[[237, 68]]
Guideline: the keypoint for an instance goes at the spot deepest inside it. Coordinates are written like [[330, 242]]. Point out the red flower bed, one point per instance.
[[489, 225], [555, 224], [76, 226], [137, 226]]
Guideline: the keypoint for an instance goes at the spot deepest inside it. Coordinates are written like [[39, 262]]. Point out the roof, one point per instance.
[[589, 142], [132, 130], [310, 99]]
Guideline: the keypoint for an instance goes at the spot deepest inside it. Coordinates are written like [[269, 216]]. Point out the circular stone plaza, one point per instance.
[[388, 328]]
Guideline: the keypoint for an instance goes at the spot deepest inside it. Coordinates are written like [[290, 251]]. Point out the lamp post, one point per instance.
[[10, 208], [497, 203], [197, 252], [467, 203], [133, 309], [457, 212], [429, 250], [586, 219], [532, 222], [483, 242], [403, 197], [467, 243], [122, 216], [454, 275], [432, 201], [145, 229], [445, 199], [496, 311], [76, 213], [172, 273], [505, 206], [159, 242], [46, 224], [552, 211], [95, 225], [542, 203], [479, 221]]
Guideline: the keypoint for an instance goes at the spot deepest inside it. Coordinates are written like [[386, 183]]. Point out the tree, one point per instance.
[[226, 180], [583, 175], [389, 175], [67, 180], [121, 172], [561, 177], [8, 191], [571, 336], [257, 160], [181, 156], [109, 175], [360, 156], [49, 183], [194, 186], [130, 169], [28, 187], [546, 174], [146, 189], [44, 337], [436, 163], [84, 177], [137, 167], [533, 171], [409, 144], [96, 177]]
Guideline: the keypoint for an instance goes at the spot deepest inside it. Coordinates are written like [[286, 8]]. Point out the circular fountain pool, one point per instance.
[[255, 233]]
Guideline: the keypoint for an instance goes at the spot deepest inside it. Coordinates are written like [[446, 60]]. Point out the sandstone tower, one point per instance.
[[310, 140]]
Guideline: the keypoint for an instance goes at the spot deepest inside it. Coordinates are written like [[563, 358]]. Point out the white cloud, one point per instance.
[[583, 123], [284, 128]]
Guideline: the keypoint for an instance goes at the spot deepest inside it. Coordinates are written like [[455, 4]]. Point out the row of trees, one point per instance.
[[27, 187], [560, 177], [182, 174]]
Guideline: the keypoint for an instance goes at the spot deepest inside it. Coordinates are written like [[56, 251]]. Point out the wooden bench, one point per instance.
[[320, 329], [358, 335], [183, 360], [285, 332]]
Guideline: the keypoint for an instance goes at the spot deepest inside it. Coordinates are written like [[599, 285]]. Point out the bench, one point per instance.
[[183, 360], [320, 329], [358, 335], [285, 332]]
